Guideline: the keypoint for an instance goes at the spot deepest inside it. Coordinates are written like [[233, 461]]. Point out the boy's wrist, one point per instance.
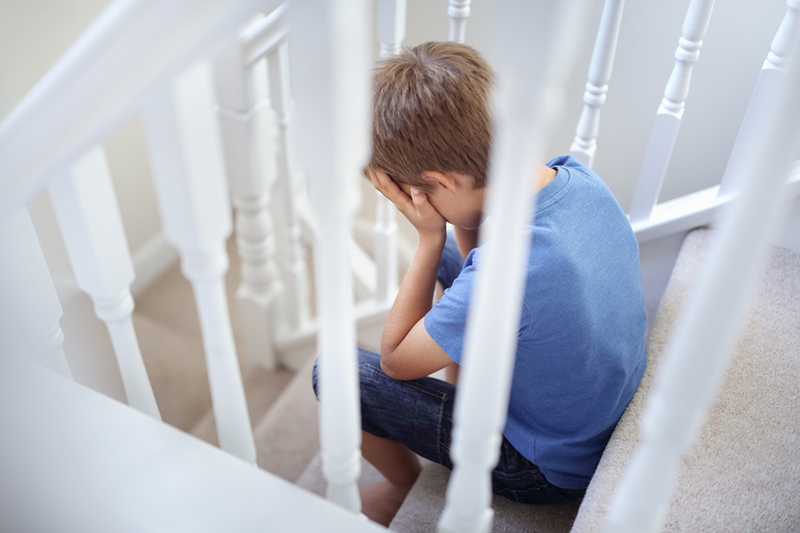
[[432, 239]]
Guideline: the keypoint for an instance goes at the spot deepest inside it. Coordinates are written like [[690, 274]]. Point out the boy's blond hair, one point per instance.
[[430, 111]]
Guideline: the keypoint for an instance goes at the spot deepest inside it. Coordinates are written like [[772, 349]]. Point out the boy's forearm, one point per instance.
[[416, 293], [466, 239]]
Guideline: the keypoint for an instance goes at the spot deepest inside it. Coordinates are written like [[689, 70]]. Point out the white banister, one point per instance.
[[391, 32], [533, 57], [265, 36], [29, 306], [290, 244], [772, 76], [697, 354], [458, 11], [185, 149], [91, 224], [584, 145], [103, 79], [670, 112], [247, 124], [329, 56]]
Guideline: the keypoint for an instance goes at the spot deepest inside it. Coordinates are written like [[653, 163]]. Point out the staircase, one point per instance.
[[741, 475]]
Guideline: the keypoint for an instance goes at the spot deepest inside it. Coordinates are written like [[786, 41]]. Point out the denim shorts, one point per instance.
[[419, 414]]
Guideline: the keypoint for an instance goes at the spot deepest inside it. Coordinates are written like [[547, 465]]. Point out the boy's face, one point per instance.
[[454, 197]]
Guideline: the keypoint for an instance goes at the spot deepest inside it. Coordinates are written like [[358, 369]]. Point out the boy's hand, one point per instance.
[[415, 207]]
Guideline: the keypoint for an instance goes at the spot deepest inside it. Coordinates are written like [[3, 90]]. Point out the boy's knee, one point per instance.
[[367, 361]]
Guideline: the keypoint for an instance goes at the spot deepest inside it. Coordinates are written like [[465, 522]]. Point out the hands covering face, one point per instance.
[[414, 206]]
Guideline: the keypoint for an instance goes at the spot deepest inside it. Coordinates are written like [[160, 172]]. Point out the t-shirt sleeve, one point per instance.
[[446, 321]]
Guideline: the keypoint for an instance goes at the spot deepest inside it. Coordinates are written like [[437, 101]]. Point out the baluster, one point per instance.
[[391, 32], [694, 363], [291, 248], [330, 58], [670, 112], [527, 99], [584, 145], [185, 149], [770, 79], [458, 11], [248, 135], [28, 299], [90, 222]]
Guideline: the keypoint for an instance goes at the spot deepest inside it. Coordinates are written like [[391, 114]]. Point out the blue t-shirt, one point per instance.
[[580, 349]]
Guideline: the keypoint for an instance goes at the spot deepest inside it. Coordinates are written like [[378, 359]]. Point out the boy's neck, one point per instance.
[[542, 176]]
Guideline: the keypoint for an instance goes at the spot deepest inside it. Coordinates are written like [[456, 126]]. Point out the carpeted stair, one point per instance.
[[742, 475]]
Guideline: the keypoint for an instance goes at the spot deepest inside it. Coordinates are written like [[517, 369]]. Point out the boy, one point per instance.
[[580, 351]]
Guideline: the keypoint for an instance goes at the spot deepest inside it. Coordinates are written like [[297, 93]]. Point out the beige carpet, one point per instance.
[[743, 474]]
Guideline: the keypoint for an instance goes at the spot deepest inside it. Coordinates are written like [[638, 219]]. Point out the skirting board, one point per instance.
[[150, 261]]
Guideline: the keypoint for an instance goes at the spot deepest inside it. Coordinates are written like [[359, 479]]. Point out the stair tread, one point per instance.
[[743, 471], [424, 504], [176, 367]]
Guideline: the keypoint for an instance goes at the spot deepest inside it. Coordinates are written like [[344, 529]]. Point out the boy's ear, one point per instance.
[[448, 181]]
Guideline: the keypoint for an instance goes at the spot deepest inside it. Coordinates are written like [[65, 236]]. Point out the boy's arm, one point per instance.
[[407, 351]]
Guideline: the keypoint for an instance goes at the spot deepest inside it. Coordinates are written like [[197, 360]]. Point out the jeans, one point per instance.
[[419, 414]]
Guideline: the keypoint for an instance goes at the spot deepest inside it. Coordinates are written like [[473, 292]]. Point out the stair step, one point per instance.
[[424, 504], [176, 367], [743, 472], [262, 388], [313, 480], [287, 437]]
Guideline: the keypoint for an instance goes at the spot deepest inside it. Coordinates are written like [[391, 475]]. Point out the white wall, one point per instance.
[[34, 33]]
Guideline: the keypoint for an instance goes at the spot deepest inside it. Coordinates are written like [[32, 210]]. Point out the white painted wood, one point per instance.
[[29, 306], [151, 261], [80, 461], [391, 32], [584, 145], [265, 36], [458, 11], [182, 133], [670, 112], [88, 215], [291, 249], [248, 129], [697, 354], [103, 79], [772, 76], [531, 75], [329, 47]]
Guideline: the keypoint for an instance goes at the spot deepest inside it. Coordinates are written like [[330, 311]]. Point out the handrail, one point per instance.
[[263, 36], [102, 79]]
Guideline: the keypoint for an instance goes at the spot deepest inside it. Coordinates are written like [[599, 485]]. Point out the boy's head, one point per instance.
[[430, 112]]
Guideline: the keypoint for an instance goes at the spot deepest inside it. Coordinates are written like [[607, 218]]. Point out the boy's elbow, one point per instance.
[[389, 366]]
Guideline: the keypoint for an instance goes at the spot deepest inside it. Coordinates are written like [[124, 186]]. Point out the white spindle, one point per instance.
[[770, 79], [290, 246], [391, 32], [329, 47], [670, 112], [29, 304], [458, 11], [584, 145], [695, 359], [531, 76], [248, 132], [185, 149], [90, 222]]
